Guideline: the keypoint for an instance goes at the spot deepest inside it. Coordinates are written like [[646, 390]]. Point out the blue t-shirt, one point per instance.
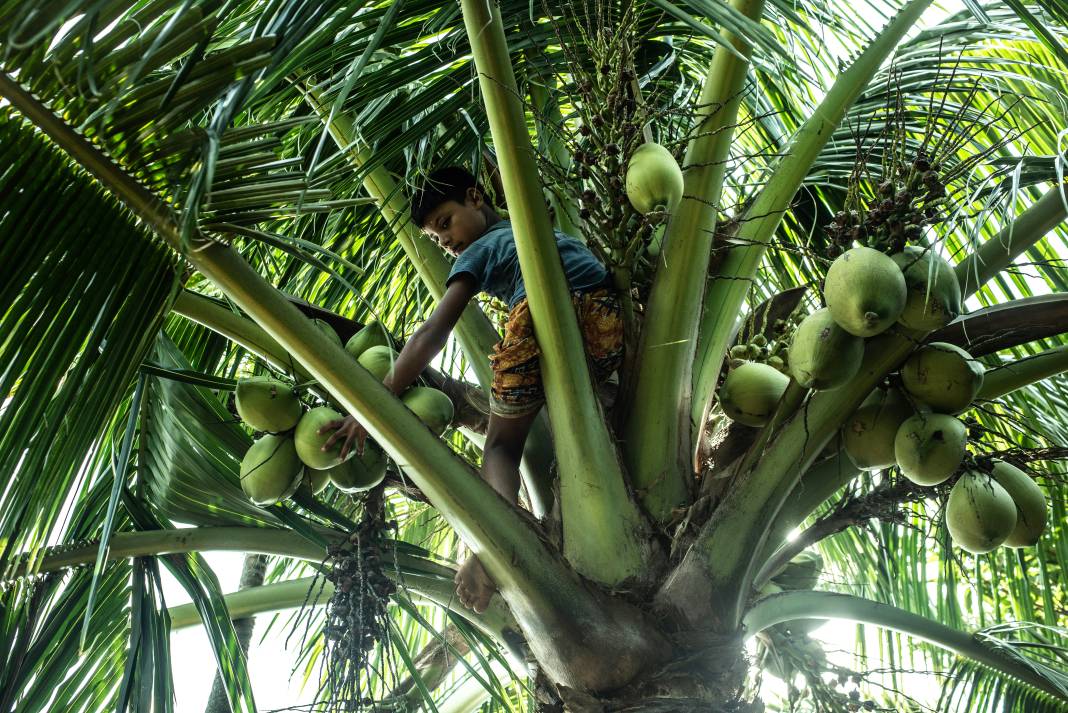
[[493, 262]]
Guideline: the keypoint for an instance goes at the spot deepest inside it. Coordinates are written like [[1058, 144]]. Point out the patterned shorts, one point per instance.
[[517, 388]]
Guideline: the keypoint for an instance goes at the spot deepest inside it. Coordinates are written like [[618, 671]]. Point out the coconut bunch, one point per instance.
[[914, 424], [289, 452]]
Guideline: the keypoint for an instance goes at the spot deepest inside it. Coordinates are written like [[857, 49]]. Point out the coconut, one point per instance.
[[310, 443], [326, 329], [934, 297], [654, 179], [372, 335], [315, 480], [980, 513], [267, 404], [929, 447], [433, 407], [868, 435], [751, 392], [271, 470], [865, 291], [360, 473], [802, 572], [823, 355], [378, 360], [943, 376], [1030, 504]]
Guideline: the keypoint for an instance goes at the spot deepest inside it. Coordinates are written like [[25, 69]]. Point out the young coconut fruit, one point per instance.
[[943, 376], [823, 355], [802, 572], [315, 480], [654, 179], [433, 407], [868, 435], [309, 442], [361, 472], [751, 392], [980, 513], [271, 470], [1030, 504], [326, 329], [929, 447], [865, 291], [372, 335], [267, 404], [933, 290], [378, 360]]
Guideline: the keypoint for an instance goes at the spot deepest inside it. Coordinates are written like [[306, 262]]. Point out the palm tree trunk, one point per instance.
[[252, 573]]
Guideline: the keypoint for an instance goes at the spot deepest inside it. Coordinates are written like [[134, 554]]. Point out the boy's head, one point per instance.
[[452, 207]]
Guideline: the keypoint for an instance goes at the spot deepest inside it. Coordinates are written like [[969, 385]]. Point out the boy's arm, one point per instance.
[[430, 337], [416, 355]]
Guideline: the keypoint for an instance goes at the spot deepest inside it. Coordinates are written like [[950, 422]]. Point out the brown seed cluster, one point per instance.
[[356, 613], [896, 215]]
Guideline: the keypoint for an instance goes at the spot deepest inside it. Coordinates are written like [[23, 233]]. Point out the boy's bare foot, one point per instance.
[[473, 586]]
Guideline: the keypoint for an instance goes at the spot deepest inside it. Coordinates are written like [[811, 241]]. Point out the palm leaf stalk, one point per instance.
[[424, 578], [790, 606], [542, 591], [726, 294], [1006, 378], [474, 331], [496, 621], [657, 434], [603, 530]]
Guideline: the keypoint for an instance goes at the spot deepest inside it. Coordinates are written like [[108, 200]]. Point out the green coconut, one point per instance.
[[361, 472], [943, 376], [868, 435], [980, 513], [929, 447], [433, 407], [865, 291], [271, 470], [326, 329], [310, 443], [654, 179], [823, 355], [315, 480], [267, 404], [1030, 504], [934, 297], [802, 572], [378, 360], [751, 392], [372, 335]]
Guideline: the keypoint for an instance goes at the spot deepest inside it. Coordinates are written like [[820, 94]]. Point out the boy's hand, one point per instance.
[[350, 430]]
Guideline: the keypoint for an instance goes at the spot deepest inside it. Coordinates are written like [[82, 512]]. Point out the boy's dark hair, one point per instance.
[[445, 184]]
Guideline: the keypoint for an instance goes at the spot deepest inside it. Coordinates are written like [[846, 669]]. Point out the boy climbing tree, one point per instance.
[[454, 210]]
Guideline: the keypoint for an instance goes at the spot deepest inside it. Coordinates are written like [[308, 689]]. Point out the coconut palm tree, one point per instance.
[[185, 184]]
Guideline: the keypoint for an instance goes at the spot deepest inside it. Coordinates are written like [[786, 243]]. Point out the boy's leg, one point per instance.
[[500, 468]]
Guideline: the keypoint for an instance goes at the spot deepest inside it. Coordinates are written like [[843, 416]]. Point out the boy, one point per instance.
[[453, 210]]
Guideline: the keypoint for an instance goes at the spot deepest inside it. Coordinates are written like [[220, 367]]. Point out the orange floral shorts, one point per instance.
[[517, 387]]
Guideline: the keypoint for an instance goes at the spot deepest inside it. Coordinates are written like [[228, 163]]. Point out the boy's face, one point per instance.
[[454, 226]]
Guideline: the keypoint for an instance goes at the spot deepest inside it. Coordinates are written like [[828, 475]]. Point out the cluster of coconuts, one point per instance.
[[289, 454], [915, 428]]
